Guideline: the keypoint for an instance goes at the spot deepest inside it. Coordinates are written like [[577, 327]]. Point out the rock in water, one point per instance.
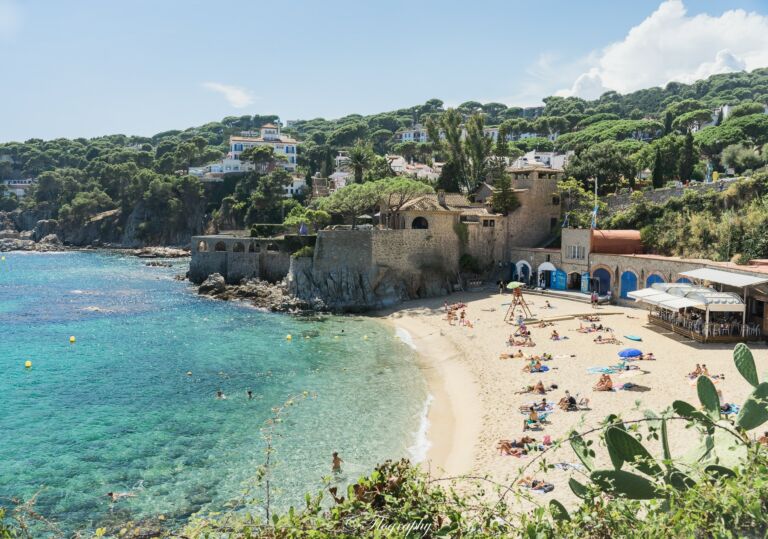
[[213, 285]]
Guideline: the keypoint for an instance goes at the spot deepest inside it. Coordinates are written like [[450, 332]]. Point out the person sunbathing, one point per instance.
[[604, 384], [547, 305], [555, 336], [696, 372], [763, 440], [544, 324], [535, 484], [541, 406], [567, 403], [507, 447], [648, 357], [539, 388], [533, 419], [533, 366], [704, 370]]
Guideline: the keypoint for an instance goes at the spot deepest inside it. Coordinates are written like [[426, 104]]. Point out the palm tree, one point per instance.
[[360, 159]]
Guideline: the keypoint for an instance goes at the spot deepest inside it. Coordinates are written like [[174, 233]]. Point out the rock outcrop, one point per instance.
[[45, 227], [349, 290], [272, 297]]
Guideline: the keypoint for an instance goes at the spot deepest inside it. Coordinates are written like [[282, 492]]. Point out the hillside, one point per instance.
[[661, 131]]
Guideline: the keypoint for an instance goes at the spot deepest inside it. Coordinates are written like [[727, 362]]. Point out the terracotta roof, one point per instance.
[[453, 202], [284, 140], [269, 126], [618, 242]]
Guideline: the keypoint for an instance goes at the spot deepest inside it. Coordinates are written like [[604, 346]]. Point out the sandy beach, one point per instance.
[[476, 403]]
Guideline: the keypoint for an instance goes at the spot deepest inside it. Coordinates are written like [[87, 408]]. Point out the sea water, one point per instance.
[[131, 405]]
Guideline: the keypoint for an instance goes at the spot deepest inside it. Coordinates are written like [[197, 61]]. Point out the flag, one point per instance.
[[594, 217], [565, 221]]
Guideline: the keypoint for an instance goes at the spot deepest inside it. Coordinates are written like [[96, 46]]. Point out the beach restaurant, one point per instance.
[[698, 310]]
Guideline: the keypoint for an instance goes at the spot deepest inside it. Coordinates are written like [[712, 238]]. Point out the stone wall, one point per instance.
[[487, 244], [617, 203], [240, 258], [357, 270], [532, 223]]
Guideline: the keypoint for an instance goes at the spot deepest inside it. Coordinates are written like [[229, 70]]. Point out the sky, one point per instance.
[[85, 68]]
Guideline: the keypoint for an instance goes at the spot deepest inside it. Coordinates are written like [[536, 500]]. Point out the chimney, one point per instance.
[[441, 197]]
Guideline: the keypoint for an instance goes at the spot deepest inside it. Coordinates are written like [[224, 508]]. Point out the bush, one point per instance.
[[469, 264], [306, 251], [266, 231]]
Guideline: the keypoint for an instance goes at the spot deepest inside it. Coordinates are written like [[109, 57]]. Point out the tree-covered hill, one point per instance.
[[672, 133]]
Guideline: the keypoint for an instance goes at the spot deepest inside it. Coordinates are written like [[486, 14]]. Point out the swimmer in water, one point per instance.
[[220, 394], [117, 496], [336, 462], [250, 394]]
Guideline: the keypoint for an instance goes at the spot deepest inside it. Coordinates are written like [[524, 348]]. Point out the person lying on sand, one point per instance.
[[539, 388], [535, 484], [519, 353], [696, 372], [544, 324], [555, 336], [117, 496], [505, 447], [541, 406], [763, 440], [648, 357], [590, 318], [533, 366], [604, 384]]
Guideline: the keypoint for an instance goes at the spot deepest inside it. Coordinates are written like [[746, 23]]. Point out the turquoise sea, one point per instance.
[[116, 411]]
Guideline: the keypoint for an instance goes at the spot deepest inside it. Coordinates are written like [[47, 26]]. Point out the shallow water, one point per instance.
[[116, 411]]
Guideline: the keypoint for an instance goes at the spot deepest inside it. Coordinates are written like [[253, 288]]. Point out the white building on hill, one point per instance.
[[269, 136]]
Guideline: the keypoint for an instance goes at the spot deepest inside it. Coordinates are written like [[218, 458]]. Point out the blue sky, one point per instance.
[[86, 68]]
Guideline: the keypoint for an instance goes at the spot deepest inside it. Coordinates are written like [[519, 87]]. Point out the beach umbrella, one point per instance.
[[630, 352], [514, 284]]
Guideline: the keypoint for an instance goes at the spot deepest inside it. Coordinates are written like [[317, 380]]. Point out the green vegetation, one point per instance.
[[657, 132], [720, 225]]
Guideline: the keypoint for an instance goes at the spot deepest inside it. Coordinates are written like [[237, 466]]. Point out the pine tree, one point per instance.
[[687, 158], [668, 123], [658, 171]]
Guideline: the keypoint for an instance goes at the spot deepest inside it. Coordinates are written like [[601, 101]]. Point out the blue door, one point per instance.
[[603, 278], [628, 283], [683, 280], [654, 278], [558, 280], [585, 282]]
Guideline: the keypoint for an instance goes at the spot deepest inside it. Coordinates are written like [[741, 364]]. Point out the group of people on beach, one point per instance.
[[451, 316]]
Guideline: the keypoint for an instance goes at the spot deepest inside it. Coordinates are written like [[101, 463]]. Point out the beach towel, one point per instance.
[[734, 410]]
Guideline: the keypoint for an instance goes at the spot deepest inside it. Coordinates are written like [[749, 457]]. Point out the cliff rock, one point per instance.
[[45, 227], [213, 285]]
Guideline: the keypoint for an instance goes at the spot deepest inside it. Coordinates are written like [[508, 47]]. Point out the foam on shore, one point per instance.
[[406, 337], [421, 444]]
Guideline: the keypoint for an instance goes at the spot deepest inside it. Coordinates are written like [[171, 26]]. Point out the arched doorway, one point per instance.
[[654, 278], [202, 246], [523, 271], [545, 272], [628, 283], [221, 246], [574, 281], [683, 280], [420, 224], [601, 281], [238, 248]]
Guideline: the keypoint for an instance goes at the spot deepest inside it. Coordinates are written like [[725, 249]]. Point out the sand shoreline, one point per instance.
[[476, 400]]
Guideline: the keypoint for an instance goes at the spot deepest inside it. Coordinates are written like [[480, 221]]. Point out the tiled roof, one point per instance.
[[453, 202]]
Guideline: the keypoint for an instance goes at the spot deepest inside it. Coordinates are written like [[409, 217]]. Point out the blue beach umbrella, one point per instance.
[[630, 352]]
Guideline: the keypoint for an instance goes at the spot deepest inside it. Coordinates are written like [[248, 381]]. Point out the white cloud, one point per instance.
[[10, 19], [237, 96], [670, 45]]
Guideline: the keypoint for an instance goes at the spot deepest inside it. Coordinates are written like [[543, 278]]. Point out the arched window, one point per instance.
[[253, 248], [238, 248], [221, 246], [420, 223], [202, 246], [273, 248]]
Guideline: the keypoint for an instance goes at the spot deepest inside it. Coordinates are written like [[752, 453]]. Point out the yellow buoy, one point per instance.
[[28, 364], [189, 373], [289, 337], [365, 337], [72, 339]]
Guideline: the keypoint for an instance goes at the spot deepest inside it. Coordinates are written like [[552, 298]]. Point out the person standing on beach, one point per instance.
[[336, 462]]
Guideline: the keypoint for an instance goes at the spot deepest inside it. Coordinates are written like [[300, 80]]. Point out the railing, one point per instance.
[[714, 331]]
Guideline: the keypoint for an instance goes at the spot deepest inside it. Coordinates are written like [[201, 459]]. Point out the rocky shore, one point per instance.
[[261, 294]]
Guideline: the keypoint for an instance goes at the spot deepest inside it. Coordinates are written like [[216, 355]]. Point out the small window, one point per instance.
[[555, 201], [553, 222], [489, 223]]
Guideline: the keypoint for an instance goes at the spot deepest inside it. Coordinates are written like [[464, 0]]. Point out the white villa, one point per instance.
[[269, 135], [18, 187]]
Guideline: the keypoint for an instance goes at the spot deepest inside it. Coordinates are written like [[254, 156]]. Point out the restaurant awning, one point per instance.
[[728, 278], [547, 266], [684, 296]]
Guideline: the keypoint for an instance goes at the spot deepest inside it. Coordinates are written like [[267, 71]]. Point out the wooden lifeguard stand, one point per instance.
[[517, 301]]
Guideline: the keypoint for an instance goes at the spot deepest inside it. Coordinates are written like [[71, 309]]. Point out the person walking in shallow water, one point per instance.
[[250, 394], [336, 462]]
